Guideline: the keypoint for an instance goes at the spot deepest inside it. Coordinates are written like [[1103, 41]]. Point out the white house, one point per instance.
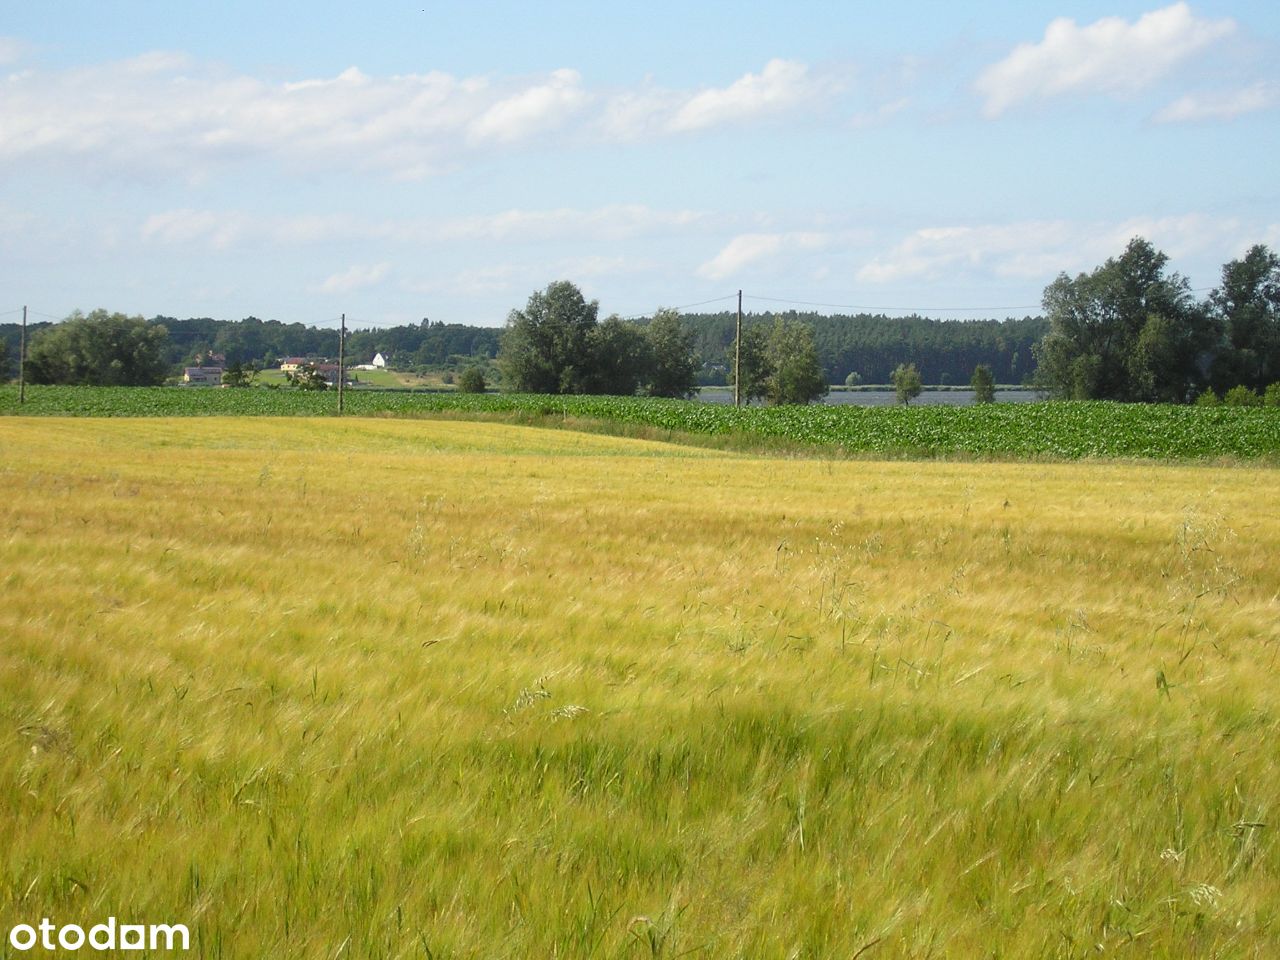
[[379, 361], [202, 376]]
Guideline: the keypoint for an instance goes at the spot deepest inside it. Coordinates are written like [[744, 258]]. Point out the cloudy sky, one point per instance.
[[405, 160]]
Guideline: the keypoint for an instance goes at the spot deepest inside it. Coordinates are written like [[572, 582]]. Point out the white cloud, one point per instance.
[[221, 229], [596, 265], [165, 112], [1040, 249], [1225, 105], [355, 278], [613, 222], [651, 111], [11, 50], [748, 248], [1110, 55], [475, 282], [782, 84], [535, 110]]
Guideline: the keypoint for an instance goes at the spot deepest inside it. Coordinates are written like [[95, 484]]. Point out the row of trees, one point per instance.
[[871, 346], [556, 344], [867, 346], [1130, 330]]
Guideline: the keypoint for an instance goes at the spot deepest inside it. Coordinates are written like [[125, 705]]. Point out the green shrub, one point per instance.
[[906, 382], [1208, 399], [1272, 397], [1241, 396], [472, 380], [983, 383]]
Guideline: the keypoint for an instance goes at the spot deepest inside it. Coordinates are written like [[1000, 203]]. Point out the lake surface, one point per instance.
[[887, 398]]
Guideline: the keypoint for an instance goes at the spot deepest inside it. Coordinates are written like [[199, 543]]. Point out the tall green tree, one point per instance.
[[619, 359], [1248, 307], [1126, 331], [100, 349], [753, 358], [674, 371], [983, 384], [780, 364], [547, 346], [906, 382], [795, 375]]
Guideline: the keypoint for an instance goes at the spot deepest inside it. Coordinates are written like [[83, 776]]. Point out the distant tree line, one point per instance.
[[869, 346], [267, 341], [1129, 330], [872, 345]]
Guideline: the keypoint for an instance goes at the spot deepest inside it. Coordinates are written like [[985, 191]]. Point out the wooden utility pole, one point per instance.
[[342, 347], [22, 359], [737, 357]]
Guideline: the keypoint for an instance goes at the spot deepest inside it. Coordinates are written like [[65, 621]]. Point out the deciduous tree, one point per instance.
[[674, 371], [546, 347], [795, 374], [753, 360], [1126, 331], [101, 349], [1248, 308], [983, 384], [906, 382], [472, 380]]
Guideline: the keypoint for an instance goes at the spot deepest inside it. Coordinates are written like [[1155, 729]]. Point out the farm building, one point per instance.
[[202, 376]]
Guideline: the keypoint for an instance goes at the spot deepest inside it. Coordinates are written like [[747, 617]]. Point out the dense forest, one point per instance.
[[871, 346], [944, 351]]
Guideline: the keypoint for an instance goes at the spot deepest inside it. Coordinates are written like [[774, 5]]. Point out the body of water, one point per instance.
[[887, 398]]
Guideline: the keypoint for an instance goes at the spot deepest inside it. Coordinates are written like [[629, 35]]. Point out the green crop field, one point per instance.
[[395, 687], [1024, 430]]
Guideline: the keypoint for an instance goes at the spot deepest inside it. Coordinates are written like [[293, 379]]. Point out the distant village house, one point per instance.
[[379, 363], [202, 376]]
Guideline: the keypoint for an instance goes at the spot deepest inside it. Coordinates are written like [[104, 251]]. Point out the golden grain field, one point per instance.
[[390, 689]]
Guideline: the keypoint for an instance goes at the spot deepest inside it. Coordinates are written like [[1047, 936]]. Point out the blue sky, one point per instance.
[[408, 160]]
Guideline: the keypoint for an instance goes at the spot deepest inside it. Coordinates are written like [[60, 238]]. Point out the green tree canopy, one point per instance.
[[780, 364], [240, 374], [547, 346], [983, 383], [753, 358], [1247, 306], [906, 382], [555, 345], [1126, 331], [674, 370], [795, 375], [101, 349], [472, 380], [618, 359]]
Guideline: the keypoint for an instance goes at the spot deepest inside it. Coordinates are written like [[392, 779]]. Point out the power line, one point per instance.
[[849, 306], [685, 306]]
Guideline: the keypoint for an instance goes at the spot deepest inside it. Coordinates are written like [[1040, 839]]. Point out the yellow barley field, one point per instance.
[[391, 689]]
